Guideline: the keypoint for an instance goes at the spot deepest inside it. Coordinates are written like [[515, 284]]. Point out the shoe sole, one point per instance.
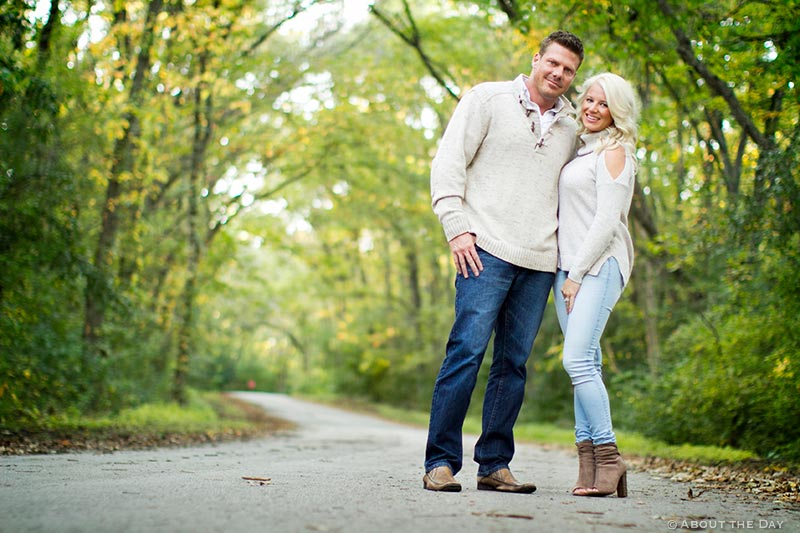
[[511, 490], [445, 488]]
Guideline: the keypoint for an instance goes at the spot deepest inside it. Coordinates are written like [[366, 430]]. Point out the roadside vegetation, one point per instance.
[[213, 417], [206, 418]]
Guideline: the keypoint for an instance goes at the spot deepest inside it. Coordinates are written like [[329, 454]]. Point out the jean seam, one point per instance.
[[595, 380], [498, 393], [502, 365], [600, 388]]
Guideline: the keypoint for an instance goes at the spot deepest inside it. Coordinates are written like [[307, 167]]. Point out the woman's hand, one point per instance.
[[570, 291]]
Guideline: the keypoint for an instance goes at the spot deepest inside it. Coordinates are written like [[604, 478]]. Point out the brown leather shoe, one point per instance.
[[503, 480], [441, 479]]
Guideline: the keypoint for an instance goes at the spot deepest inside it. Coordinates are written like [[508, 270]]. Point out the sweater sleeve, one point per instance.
[[457, 147], [612, 199]]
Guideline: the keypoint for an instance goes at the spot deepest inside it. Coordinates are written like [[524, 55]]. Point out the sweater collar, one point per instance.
[[590, 140]]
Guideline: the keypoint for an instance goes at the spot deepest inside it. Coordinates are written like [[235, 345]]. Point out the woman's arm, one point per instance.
[[614, 181]]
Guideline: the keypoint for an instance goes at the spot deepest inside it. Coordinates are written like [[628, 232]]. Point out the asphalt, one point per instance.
[[344, 472]]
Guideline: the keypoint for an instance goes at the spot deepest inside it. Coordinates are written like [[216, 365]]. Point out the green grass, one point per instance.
[[550, 434], [637, 444], [198, 416], [204, 413]]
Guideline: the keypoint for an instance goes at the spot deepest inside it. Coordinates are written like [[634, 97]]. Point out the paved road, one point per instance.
[[338, 471]]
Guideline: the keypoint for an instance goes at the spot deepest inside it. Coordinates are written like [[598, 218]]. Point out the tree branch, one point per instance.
[[297, 8], [714, 82], [413, 40], [213, 230], [510, 8]]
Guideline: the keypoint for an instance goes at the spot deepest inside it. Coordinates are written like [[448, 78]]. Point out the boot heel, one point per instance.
[[610, 472], [622, 486]]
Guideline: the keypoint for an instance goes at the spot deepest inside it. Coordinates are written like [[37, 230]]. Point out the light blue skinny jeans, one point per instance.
[[583, 359]]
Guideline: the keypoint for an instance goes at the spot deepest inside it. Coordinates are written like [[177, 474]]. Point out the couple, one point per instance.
[[530, 200]]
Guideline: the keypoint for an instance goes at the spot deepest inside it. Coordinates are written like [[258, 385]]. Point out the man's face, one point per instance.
[[554, 71]]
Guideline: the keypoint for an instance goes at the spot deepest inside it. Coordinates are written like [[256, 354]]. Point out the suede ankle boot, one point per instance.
[[610, 472], [585, 468]]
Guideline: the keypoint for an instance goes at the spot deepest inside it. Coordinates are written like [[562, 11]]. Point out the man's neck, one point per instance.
[[545, 104]]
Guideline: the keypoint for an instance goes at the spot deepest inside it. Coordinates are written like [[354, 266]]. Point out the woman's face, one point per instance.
[[595, 114]]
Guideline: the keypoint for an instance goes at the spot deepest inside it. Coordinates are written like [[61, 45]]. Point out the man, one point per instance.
[[494, 187]]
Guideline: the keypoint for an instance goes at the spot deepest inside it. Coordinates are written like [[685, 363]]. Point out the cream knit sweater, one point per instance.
[[593, 213], [494, 176]]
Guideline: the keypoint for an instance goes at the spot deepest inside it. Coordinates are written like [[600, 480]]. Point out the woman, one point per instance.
[[595, 261]]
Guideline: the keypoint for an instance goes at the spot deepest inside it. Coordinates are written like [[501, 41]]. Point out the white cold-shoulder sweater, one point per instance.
[[496, 176], [593, 212]]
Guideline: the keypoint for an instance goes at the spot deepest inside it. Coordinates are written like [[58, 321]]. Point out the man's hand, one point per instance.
[[465, 255]]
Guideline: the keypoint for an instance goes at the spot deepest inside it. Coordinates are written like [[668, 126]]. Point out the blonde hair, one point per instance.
[[624, 107]]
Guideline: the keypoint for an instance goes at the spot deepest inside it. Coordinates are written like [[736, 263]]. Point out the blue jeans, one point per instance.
[[510, 301], [583, 358]]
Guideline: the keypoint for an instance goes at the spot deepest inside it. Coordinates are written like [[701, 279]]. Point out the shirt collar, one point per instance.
[[527, 103]]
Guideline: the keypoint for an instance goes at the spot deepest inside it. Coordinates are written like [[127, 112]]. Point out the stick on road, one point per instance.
[[338, 471]]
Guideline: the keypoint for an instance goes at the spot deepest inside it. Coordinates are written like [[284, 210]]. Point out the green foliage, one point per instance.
[[733, 376], [256, 202], [40, 261]]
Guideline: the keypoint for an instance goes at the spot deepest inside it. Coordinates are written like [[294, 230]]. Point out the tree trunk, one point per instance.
[[415, 310], [96, 292], [48, 31], [645, 228], [649, 303], [388, 289], [202, 135]]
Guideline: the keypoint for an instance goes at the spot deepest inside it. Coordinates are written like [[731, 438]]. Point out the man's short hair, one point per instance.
[[566, 39]]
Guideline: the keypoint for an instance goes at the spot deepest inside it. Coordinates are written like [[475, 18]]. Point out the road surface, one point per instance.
[[339, 471]]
